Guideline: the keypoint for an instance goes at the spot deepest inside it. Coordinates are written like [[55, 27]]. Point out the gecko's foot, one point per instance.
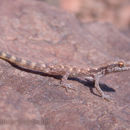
[[66, 86], [106, 97]]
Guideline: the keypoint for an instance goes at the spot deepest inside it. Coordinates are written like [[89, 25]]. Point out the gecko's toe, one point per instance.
[[67, 86], [106, 97]]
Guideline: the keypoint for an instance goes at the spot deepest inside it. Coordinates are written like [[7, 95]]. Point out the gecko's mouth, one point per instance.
[[127, 67], [124, 69], [129, 64], [117, 69]]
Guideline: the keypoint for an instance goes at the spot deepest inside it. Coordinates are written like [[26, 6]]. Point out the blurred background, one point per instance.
[[116, 12]]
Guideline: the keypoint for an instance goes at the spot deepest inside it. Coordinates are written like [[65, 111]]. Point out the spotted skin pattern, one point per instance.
[[67, 71]]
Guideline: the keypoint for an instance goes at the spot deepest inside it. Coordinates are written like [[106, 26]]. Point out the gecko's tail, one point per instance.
[[21, 62]]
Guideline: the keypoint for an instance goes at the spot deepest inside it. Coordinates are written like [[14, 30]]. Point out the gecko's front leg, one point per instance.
[[104, 96]]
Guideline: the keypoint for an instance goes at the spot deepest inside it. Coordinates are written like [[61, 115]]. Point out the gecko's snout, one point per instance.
[[123, 65]]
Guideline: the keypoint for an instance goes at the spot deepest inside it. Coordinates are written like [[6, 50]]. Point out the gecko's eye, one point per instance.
[[121, 64]]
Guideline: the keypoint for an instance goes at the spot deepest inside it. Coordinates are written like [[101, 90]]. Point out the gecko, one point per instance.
[[68, 71]]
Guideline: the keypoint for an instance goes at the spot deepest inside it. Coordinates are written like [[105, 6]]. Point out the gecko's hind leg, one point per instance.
[[104, 96], [64, 83]]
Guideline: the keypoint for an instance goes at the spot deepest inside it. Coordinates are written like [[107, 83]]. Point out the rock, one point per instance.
[[38, 32]]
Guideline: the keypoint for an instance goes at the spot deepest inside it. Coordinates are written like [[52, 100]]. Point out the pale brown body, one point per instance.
[[70, 71]]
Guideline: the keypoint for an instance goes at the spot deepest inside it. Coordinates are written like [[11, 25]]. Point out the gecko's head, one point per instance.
[[119, 66]]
